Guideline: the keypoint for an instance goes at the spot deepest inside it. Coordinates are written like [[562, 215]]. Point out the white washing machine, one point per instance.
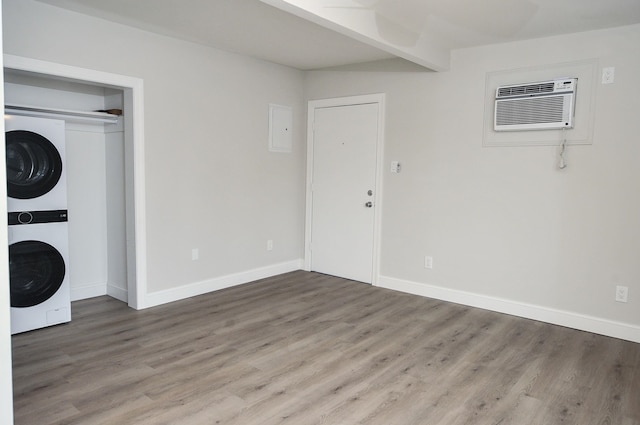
[[38, 228], [36, 176], [38, 268]]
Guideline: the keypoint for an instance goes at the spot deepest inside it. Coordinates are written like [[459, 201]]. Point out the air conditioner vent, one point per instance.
[[526, 89], [535, 111], [535, 106]]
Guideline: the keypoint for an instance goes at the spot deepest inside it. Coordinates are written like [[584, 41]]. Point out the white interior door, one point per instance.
[[345, 140]]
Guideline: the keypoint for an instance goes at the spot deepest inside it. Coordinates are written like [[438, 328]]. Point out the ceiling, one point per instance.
[[317, 34]]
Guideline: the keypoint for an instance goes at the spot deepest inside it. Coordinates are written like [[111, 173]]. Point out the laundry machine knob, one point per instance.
[[25, 217]]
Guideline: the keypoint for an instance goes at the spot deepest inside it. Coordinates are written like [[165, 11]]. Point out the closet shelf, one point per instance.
[[64, 114]]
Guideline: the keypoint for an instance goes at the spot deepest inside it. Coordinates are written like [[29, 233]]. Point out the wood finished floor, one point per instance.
[[305, 348]]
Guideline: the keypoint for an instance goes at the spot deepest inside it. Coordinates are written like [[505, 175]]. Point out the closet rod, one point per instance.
[[65, 114]]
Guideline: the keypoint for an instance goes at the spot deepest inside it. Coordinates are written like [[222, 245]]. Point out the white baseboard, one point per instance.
[[529, 311], [117, 292], [198, 288], [88, 291], [98, 290]]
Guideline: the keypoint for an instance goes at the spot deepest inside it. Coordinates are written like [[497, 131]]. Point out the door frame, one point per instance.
[[376, 98], [134, 143]]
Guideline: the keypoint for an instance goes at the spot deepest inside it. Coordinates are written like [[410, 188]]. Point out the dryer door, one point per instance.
[[36, 272], [34, 165]]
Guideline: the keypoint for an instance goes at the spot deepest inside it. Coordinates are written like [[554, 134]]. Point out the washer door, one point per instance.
[[36, 272], [34, 165]]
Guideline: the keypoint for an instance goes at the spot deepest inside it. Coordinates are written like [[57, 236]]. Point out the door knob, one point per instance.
[[368, 204]]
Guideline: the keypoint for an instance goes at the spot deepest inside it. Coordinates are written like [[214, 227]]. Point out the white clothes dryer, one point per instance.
[[35, 152], [38, 269]]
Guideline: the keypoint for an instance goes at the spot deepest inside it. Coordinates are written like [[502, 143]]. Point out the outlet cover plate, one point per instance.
[[608, 75], [622, 293]]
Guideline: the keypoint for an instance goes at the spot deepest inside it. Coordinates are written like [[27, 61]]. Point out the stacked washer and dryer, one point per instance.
[[38, 228]]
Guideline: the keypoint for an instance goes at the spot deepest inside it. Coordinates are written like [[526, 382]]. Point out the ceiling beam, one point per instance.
[[365, 24]]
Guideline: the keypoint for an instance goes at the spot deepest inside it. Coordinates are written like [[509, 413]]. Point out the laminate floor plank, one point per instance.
[[47, 413], [213, 407], [632, 396], [311, 349], [105, 413]]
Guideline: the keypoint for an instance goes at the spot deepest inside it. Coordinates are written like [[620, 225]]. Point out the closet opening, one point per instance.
[[104, 165]]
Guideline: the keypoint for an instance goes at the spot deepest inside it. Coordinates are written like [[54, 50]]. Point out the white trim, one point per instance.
[[117, 292], [88, 291], [6, 370], [22, 63], [378, 98], [97, 290], [137, 291], [215, 284], [133, 87], [529, 311]]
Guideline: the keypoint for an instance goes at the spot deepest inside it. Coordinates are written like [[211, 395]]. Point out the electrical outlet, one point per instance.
[[622, 293], [608, 75], [269, 245], [195, 254], [428, 262]]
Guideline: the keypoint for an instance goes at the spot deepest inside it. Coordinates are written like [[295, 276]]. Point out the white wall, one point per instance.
[[211, 182], [116, 211], [503, 224], [86, 202], [116, 204]]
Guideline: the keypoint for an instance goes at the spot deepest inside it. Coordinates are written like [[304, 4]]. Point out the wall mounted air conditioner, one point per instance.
[[535, 106]]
